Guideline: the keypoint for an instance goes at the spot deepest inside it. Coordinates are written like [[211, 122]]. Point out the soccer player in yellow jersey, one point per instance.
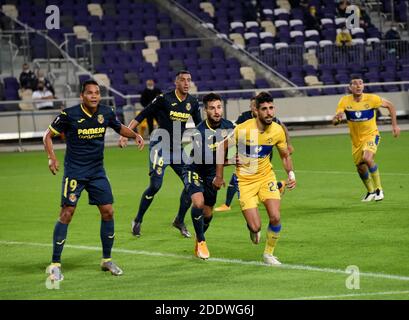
[[360, 110], [255, 139]]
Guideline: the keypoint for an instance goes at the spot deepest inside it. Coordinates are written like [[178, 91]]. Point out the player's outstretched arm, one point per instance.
[[288, 166], [128, 133], [53, 163], [337, 118], [123, 140], [392, 111]]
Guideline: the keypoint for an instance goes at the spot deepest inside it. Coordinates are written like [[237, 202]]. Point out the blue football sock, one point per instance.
[[184, 205], [107, 237], [231, 190], [59, 236], [206, 223], [197, 219]]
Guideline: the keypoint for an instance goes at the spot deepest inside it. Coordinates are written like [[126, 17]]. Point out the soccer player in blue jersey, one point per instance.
[[84, 126], [172, 111], [233, 184], [201, 172]]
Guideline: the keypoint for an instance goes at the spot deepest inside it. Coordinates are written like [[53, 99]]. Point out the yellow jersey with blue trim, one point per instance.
[[361, 116], [254, 148]]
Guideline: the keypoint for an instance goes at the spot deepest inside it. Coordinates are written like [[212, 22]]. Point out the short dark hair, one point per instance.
[[211, 97], [182, 72], [86, 83], [355, 78], [263, 97]]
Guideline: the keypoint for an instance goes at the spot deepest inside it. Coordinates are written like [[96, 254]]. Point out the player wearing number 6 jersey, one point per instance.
[[255, 140], [84, 127]]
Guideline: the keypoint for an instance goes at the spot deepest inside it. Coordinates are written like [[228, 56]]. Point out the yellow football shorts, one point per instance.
[[371, 144], [253, 191]]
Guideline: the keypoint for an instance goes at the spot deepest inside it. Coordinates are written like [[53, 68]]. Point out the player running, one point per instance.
[[233, 185], [255, 139], [360, 111]]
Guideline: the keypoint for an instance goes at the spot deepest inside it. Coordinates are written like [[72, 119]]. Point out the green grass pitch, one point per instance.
[[325, 229]]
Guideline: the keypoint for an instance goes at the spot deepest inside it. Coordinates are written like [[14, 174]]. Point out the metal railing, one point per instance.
[[22, 125], [230, 42], [50, 42], [333, 54], [30, 124]]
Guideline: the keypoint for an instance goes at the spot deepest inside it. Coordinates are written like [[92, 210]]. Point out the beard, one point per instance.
[[266, 121], [214, 122]]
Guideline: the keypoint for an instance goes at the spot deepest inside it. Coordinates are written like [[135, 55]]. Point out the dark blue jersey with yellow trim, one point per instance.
[[84, 135], [167, 108], [244, 116], [205, 142]]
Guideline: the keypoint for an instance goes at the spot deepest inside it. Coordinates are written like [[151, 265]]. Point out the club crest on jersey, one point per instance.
[[224, 133], [72, 197], [100, 119], [358, 114], [258, 149], [188, 106], [159, 171], [270, 140]]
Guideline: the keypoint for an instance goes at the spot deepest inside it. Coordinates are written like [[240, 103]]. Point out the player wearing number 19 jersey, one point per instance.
[[84, 127]]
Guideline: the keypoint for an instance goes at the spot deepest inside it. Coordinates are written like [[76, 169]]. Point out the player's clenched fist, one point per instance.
[[218, 182]]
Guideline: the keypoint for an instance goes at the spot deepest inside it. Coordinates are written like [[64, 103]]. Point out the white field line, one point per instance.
[[217, 260], [352, 295]]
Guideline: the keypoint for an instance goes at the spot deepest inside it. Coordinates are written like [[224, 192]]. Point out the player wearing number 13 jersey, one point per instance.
[[200, 173]]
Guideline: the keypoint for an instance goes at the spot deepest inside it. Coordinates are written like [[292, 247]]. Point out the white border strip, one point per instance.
[[220, 260], [351, 295]]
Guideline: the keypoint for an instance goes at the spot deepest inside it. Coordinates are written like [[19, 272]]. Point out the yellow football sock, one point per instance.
[[367, 180], [272, 238], [376, 178]]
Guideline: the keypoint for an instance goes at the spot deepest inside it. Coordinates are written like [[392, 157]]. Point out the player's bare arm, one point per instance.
[[392, 111], [128, 133], [287, 137], [123, 141], [288, 166], [53, 163]]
